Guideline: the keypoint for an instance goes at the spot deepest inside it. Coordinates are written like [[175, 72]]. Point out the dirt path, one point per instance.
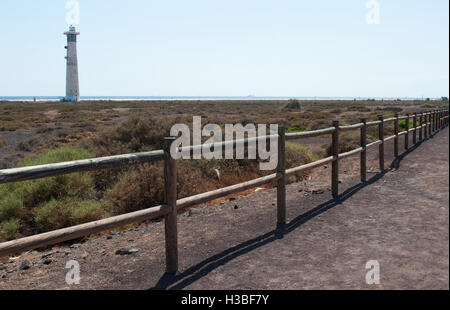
[[400, 219]]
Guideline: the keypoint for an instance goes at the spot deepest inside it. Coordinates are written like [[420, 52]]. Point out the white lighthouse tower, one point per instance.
[[72, 82]]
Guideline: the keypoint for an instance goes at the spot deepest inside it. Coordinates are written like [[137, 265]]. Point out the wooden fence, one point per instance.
[[424, 124]]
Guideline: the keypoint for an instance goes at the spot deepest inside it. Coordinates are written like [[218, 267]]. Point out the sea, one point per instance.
[[200, 98]]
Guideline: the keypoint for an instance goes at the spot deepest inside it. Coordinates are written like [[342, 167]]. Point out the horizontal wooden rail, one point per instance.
[[351, 127], [218, 193], [373, 123], [49, 170], [222, 144], [308, 134], [375, 143], [389, 119], [389, 138], [350, 153], [74, 232]]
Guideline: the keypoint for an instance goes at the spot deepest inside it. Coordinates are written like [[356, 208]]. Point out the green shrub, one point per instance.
[[293, 104], [358, 108], [20, 199], [296, 128], [391, 109], [138, 189], [297, 155], [402, 124], [11, 205], [10, 229], [427, 105], [56, 214]]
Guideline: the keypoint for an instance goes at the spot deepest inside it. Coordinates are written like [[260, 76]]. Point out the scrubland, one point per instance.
[[40, 133]]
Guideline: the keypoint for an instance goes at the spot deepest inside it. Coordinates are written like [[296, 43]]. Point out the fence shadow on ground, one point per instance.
[[194, 273], [396, 162]]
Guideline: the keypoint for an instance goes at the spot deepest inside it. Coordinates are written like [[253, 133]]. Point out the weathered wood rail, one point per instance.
[[429, 122]]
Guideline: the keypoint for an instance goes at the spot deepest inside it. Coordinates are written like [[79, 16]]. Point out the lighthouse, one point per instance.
[[72, 82]]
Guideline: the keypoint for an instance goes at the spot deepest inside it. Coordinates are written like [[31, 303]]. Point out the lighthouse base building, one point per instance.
[[72, 81]]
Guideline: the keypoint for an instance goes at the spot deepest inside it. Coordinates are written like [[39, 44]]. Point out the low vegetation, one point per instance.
[[40, 133]]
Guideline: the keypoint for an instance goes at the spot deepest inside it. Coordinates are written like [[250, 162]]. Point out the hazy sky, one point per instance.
[[228, 48]]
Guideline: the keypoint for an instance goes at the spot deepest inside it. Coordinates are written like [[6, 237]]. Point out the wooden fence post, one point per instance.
[[438, 125], [396, 135], [281, 183], [363, 163], [415, 128], [420, 126], [425, 131], [443, 120], [170, 220], [407, 132], [335, 163], [429, 123], [381, 137], [433, 128], [436, 120]]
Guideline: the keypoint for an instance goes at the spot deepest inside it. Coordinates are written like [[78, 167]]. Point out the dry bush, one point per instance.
[[347, 142], [140, 188]]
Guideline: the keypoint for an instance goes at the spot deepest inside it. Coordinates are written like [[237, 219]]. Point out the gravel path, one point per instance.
[[399, 218]]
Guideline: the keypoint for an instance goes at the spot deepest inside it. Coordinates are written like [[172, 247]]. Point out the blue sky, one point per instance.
[[228, 48]]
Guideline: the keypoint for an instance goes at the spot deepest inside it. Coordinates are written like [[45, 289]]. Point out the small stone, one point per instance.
[[75, 246], [134, 250], [318, 192], [232, 199], [47, 262], [193, 212], [300, 190], [2, 267], [25, 265], [109, 238], [122, 252], [236, 207], [4, 276], [47, 255], [127, 251]]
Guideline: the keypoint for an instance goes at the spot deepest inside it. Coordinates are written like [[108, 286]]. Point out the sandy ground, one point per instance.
[[399, 218]]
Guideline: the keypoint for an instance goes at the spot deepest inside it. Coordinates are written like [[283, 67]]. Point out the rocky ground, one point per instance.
[[399, 218]]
